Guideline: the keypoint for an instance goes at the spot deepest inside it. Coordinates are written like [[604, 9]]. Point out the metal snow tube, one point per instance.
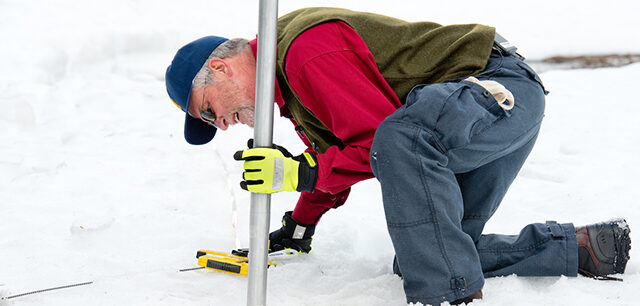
[[263, 135]]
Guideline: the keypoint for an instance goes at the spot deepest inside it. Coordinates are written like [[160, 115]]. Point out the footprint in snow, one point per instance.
[[91, 224]]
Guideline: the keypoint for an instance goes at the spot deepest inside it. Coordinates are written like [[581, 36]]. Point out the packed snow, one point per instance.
[[98, 185]]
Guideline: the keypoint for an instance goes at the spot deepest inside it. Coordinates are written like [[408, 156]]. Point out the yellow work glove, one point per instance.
[[269, 170]]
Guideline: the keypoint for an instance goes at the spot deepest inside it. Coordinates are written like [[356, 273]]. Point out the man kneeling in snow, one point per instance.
[[443, 116]]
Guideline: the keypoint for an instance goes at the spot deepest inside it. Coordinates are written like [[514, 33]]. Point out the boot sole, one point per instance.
[[622, 239]]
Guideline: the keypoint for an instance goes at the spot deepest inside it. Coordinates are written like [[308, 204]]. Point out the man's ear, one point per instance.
[[219, 66]]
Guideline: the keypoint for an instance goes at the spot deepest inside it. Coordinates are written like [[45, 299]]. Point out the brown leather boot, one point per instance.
[[469, 299], [603, 249]]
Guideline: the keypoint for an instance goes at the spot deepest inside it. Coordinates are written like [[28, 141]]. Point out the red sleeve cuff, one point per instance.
[[312, 205]]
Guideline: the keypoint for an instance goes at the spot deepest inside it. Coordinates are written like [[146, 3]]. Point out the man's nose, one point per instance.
[[222, 123]]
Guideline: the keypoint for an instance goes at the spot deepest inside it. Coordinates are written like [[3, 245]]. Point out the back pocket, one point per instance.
[[467, 112]]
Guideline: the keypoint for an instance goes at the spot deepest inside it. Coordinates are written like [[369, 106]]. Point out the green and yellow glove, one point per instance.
[[269, 170]]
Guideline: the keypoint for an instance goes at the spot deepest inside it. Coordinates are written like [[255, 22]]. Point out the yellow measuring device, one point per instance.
[[236, 263]]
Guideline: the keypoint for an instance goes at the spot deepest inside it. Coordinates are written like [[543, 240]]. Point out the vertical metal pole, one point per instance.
[[263, 134]]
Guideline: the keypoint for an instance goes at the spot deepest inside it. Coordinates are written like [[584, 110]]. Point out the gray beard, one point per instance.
[[248, 114]]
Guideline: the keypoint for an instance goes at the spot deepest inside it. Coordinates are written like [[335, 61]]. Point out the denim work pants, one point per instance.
[[445, 160]]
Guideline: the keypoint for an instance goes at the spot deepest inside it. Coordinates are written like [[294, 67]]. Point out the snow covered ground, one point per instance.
[[97, 183]]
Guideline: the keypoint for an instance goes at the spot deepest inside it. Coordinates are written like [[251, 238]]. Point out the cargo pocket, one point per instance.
[[467, 112]]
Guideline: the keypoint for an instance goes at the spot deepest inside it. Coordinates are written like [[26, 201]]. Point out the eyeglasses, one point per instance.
[[207, 115]]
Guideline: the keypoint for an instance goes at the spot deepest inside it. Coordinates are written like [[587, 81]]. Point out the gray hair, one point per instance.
[[228, 48]]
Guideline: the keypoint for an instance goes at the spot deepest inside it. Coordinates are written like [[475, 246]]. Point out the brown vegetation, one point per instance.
[[593, 61]]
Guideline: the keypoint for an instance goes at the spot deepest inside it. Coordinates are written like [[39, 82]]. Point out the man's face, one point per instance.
[[226, 101]]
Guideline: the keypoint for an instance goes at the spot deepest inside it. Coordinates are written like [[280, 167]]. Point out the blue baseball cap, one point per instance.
[[179, 79]]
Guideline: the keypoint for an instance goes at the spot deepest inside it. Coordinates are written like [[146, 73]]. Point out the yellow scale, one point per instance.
[[236, 263]]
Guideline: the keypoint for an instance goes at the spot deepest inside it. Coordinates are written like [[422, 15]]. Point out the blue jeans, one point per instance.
[[445, 160]]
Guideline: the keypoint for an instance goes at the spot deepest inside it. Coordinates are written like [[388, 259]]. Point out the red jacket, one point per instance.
[[335, 76]]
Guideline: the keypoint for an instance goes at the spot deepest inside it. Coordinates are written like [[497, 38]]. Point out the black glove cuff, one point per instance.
[[296, 230], [307, 172]]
